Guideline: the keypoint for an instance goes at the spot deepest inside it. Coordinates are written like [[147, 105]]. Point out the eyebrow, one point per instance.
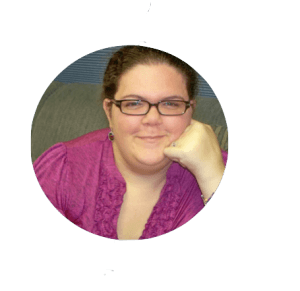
[[142, 98]]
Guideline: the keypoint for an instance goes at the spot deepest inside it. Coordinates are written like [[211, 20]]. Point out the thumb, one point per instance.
[[173, 153]]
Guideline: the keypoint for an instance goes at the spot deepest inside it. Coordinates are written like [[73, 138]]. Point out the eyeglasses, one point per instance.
[[142, 107]]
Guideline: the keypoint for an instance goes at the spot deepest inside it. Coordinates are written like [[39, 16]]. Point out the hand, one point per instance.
[[198, 150]]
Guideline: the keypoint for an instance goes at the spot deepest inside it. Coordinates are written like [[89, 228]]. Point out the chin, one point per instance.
[[154, 160]]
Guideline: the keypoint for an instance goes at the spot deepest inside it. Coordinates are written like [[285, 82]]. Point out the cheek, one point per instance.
[[125, 125], [176, 127]]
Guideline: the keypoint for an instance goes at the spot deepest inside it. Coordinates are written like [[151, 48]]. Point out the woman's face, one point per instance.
[[140, 140]]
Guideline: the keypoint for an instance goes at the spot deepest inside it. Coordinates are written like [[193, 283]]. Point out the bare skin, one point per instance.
[[134, 214], [141, 161]]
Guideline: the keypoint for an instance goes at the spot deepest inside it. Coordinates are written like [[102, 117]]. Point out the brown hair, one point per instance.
[[129, 56]]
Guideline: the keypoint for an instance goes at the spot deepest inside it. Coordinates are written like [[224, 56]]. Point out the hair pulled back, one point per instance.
[[129, 56]]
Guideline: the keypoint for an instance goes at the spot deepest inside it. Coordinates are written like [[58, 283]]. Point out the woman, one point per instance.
[[154, 169]]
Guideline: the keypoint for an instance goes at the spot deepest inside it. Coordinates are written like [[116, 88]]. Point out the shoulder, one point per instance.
[[87, 149], [225, 156], [81, 149], [99, 135]]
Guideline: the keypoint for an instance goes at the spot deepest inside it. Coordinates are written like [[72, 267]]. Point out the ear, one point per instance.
[[193, 105], [107, 107]]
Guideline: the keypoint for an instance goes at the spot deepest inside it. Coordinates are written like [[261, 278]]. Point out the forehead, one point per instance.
[[152, 81]]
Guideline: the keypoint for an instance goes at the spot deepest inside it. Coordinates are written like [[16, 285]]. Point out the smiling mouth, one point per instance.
[[151, 138]]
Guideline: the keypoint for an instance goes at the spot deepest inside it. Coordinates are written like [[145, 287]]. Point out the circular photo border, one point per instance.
[[74, 158]]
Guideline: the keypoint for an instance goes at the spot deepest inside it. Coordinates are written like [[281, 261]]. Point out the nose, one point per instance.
[[153, 116], [153, 112]]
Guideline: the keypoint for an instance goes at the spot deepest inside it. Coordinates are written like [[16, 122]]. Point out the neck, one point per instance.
[[148, 178]]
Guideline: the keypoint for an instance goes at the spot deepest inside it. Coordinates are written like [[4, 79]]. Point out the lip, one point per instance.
[[151, 138], [155, 136]]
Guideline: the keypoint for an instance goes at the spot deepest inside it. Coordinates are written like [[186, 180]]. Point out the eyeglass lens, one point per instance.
[[169, 107]]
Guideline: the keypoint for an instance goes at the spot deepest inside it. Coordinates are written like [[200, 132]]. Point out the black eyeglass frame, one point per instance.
[[119, 102]]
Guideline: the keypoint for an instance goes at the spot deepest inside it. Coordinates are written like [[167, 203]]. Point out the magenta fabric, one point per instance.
[[81, 180]]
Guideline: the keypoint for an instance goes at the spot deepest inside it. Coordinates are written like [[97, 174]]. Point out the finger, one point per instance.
[[182, 165], [187, 128], [173, 153], [194, 121]]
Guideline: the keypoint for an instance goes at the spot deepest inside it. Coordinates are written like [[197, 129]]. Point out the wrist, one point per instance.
[[205, 200], [208, 186]]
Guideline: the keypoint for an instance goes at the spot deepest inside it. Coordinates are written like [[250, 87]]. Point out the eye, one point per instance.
[[132, 103], [171, 103]]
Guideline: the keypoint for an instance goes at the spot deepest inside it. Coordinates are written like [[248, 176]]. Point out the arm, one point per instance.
[[198, 150], [208, 188]]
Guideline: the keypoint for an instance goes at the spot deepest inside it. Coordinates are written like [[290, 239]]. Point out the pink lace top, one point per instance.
[[81, 180]]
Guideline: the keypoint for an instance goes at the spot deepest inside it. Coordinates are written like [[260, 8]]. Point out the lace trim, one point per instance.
[[109, 200], [164, 212]]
